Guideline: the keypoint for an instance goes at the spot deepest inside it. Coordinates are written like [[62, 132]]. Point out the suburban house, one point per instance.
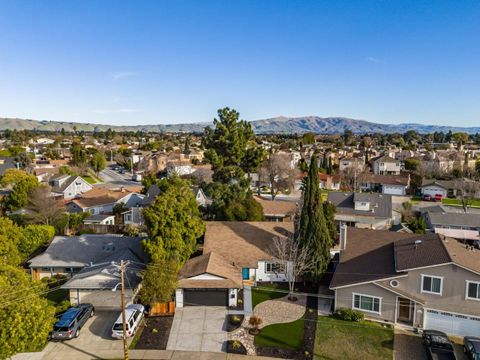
[[69, 186], [363, 210], [353, 164], [386, 165], [329, 182], [100, 219], [234, 253], [200, 197], [6, 163], [277, 210], [103, 200], [385, 184], [88, 260], [450, 217], [423, 281], [179, 168], [445, 188]]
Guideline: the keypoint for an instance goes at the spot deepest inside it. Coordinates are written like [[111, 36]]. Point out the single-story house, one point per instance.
[[277, 210], [385, 184], [234, 252]]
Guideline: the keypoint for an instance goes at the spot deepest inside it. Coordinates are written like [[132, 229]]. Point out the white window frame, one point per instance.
[[272, 263], [379, 312], [432, 292], [468, 282]]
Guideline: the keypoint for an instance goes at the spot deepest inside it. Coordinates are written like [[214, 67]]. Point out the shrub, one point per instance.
[[235, 319], [349, 315], [236, 344]]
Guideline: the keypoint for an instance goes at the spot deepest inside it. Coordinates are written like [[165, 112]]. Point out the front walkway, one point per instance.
[[247, 300], [198, 328], [280, 310]]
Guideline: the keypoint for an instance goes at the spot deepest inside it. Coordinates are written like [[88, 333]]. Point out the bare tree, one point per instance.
[[293, 259], [278, 173], [467, 191], [43, 207]]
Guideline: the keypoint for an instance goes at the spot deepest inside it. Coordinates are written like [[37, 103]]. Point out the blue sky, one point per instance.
[[147, 62]]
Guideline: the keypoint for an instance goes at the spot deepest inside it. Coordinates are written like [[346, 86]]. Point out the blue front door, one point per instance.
[[245, 274]]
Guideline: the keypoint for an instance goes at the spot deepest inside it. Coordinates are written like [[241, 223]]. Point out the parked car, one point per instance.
[[72, 320], [133, 315], [437, 345], [471, 347], [427, 198], [438, 197]]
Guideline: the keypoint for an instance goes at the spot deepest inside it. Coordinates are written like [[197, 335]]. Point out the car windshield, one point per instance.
[[441, 342], [60, 328], [118, 326]]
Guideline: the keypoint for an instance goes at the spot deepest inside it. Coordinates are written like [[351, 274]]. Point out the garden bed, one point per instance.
[[234, 322], [155, 333], [236, 347]]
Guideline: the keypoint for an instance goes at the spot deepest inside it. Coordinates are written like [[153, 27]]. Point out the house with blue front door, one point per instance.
[[235, 254]]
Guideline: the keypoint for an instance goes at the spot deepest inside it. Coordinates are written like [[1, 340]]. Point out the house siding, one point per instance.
[[262, 275], [454, 288], [344, 299]]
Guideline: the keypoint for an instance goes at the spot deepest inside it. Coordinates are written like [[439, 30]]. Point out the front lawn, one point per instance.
[[89, 179], [339, 339], [457, 202], [285, 336], [266, 291]]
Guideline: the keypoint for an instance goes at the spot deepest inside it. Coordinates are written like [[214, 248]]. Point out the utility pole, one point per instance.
[[123, 265]]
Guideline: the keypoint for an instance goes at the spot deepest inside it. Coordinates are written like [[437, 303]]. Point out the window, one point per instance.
[[473, 290], [271, 267], [366, 303], [432, 284]]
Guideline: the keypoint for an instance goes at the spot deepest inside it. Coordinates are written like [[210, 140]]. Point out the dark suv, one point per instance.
[[72, 320], [437, 345]]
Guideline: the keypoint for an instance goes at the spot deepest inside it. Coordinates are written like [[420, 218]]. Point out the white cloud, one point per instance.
[[374, 60], [119, 75], [115, 111]]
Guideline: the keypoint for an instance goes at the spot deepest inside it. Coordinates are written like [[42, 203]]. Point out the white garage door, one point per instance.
[[393, 190], [454, 324]]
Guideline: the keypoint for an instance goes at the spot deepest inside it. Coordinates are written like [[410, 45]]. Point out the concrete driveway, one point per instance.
[[95, 341], [198, 328]]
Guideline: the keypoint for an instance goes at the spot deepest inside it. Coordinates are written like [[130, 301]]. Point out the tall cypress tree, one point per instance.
[[313, 229]]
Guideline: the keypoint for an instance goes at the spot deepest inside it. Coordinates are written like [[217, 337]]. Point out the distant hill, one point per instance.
[[277, 125]]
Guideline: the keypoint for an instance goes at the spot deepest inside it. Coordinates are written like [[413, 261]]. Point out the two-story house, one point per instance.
[[423, 281], [386, 165], [364, 210], [69, 186]]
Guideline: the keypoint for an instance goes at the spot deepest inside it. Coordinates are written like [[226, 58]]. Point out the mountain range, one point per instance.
[[277, 125]]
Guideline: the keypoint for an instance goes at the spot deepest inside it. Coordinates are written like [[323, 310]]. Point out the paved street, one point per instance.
[[198, 328], [111, 177]]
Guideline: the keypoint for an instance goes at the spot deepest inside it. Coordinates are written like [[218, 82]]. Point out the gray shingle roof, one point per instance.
[[454, 219], [80, 251], [381, 204]]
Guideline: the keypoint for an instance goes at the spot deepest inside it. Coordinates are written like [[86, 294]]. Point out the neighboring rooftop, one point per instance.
[[83, 250], [276, 207], [380, 204]]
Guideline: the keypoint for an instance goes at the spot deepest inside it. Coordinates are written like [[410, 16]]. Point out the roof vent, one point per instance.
[[417, 243]]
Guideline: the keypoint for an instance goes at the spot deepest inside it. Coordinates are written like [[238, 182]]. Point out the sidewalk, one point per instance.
[[136, 355]]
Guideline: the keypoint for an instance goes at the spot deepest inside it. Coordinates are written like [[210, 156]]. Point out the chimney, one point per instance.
[[343, 237]]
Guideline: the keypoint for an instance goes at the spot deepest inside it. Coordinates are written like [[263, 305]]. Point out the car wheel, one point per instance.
[[92, 313], [77, 333]]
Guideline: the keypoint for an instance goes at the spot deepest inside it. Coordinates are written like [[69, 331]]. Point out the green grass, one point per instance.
[[457, 202], [266, 292], [89, 179], [5, 152], [338, 339], [284, 336]]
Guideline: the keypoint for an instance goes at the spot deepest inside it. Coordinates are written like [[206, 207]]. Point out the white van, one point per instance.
[[133, 315]]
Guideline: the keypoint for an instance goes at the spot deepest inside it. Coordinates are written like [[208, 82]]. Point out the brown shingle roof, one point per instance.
[[462, 255], [100, 196], [243, 243], [213, 264], [427, 252], [369, 256], [276, 207]]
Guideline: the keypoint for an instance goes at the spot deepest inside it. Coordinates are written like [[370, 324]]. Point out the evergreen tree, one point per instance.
[[313, 229]]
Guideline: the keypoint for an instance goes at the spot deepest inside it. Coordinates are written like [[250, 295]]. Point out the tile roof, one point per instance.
[[244, 243]]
